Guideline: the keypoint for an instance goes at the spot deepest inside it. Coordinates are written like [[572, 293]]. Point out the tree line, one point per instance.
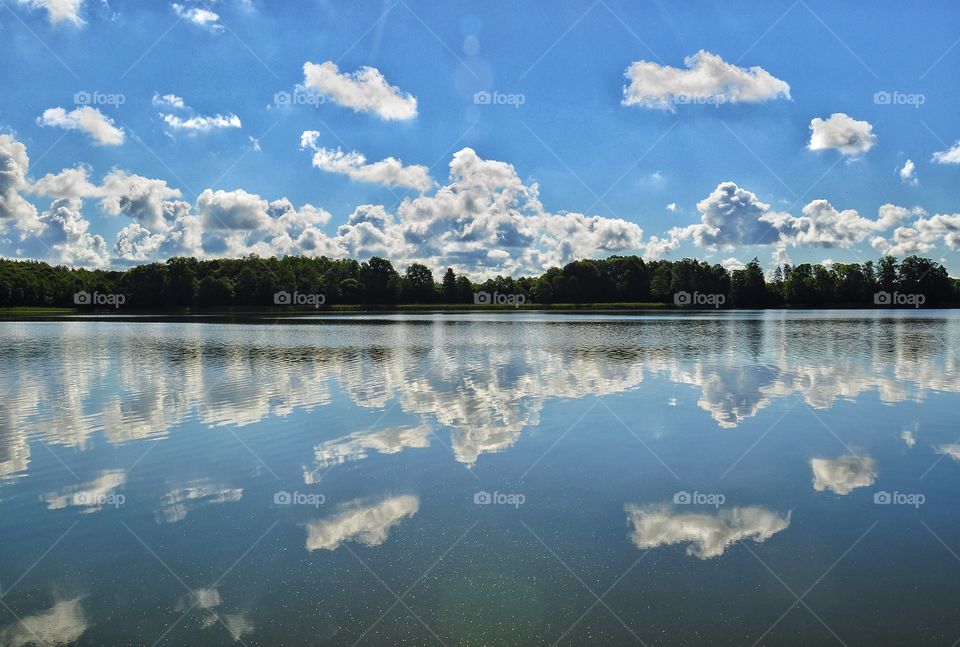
[[256, 282]]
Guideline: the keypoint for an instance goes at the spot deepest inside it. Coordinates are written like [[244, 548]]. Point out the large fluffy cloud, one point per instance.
[[708, 535], [87, 120], [849, 136], [733, 216], [58, 11], [388, 172], [365, 90], [707, 77]]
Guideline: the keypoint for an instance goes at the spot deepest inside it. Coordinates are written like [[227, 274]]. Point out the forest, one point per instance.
[[257, 282]]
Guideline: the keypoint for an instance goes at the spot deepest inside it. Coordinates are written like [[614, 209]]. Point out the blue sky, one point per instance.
[[593, 172]]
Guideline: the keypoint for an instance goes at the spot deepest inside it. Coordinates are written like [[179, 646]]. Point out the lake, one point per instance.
[[703, 478]]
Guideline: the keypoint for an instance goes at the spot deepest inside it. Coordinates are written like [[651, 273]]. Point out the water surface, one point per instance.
[[506, 479]]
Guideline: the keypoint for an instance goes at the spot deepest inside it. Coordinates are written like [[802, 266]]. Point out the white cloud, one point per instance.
[[844, 474], [368, 525], [90, 497], [731, 216], [360, 444], [733, 264], [921, 236], [949, 156], [14, 163], [364, 91], [170, 101], [87, 119], [179, 502], [61, 624], [953, 451], [232, 210], [196, 123], [198, 16], [58, 11], [908, 437], [707, 77], [202, 123], [709, 535], [388, 172], [822, 225], [908, 173], [849, 136], [672, 207]]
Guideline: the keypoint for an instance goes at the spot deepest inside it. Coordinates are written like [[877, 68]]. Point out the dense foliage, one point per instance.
[[253, 281]]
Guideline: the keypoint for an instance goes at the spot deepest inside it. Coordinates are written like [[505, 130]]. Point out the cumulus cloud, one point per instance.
[[232, 210], [369, 525], [364, 91], [14, 163], [66, 234], [908, 173], [708, 535], [86, 119], [198, 16], [843, 475], [849, 136], [731, 216], [822, 225], [58, 11], [922, 235], [707, 77], [949, 156], [388, 172]]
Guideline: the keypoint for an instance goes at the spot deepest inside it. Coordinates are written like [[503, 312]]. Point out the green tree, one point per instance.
[[418, 284]]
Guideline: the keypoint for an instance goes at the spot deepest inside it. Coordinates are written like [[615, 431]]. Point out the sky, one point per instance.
[[494, 138]]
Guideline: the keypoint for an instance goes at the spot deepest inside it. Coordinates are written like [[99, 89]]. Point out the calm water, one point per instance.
[[715, 479]]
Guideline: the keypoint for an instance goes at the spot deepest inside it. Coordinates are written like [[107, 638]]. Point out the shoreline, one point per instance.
[[54, 313]]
